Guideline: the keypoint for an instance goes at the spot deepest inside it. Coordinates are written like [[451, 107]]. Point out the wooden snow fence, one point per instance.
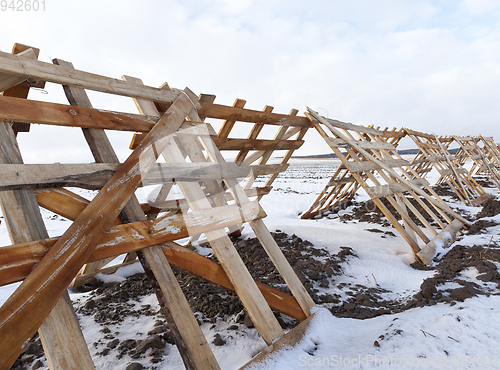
[[484, 162], [370, 160], [491, 150], [113, 223], [433, 153]]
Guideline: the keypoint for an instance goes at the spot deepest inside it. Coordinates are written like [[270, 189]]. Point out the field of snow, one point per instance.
[[462, 335]]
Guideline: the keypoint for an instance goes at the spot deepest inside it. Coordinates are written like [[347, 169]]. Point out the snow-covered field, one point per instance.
[[460, 335]]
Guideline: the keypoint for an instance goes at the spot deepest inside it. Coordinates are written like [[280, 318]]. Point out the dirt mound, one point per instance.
[[490, 208]]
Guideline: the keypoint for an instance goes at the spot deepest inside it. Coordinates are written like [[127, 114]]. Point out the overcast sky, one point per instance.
[[433, 66]]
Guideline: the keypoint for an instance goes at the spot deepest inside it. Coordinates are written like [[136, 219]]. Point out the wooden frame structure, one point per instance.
[[371, 161], [114, 222], [482, 163], [433, 153], [491, 150]]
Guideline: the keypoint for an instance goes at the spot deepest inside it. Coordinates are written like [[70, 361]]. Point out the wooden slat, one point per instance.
[[59, 330], [363, 129], [256, 144], [227, 126], [31, 111], [339, 143], [8, 80], [11, 65], [21, 90], [247, 115], [389, 189], [95, 175], [39, 176], [236, 271], [190, 340], [38, 293], [18, 260], [370, 166], [265, 238]]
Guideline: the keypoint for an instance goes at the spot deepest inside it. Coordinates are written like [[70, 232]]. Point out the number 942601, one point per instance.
[[22, 5]]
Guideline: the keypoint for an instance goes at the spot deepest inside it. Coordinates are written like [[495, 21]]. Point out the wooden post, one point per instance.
[[190, 341], [62, 339]]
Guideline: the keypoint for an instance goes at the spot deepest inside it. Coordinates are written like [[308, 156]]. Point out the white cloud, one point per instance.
[[432, 65]]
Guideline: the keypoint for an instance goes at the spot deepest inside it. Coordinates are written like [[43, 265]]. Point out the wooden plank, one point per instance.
[[444, 238], [213, 272], [418, 133], [362, 166], [256, 144], [39, 176], [39, 292], [18, 260], [95, 175], [370, 145], [244, 144], [252, 299], [397, 187], [265, 238], [363, 129], [291, 339], [227, 126], [31, 111], [10, 64], [59, 330], [211, 110], [8, 80], [190, 340]]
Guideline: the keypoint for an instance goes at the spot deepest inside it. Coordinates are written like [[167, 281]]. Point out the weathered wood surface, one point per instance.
[[213, 272], [11, 65], [94, 175], [7, 80], [289, 340], [377, 176], [60, 332], [389, 189], [255, 304], [32, 111], [28, 254], [40, 291], [39, 176], [211, 110], [17, 261], [190, 340], [21, 90], [265, 237]]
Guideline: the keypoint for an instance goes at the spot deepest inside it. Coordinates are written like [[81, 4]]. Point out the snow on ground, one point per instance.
[[460, 336]]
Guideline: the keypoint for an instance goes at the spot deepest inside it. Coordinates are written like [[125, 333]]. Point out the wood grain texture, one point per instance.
[[32, 111], [60, 332], [211, 110], [18, 260], [190, 340], [40, 291], [11, 65]]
